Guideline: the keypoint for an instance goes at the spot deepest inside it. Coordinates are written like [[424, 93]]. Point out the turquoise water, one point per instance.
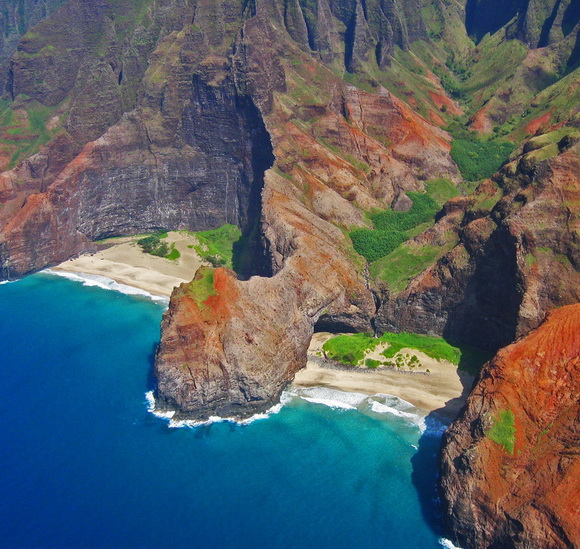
[[84, 464]]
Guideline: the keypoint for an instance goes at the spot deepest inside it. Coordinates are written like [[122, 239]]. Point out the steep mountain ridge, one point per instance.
[[510, 462], [298, 121], [218, 71], [516, 257]]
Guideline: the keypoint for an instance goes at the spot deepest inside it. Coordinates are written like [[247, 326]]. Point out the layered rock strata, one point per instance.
[[188, 115], [511, 461]]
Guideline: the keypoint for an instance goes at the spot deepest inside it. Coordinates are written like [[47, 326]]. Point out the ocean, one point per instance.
[[85, 464]]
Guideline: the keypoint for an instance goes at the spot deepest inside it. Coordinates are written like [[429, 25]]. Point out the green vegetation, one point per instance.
[[390, 227], [373, 244], [441, 190], [402, 264], [478, 159], [173, 254], [424, 209], [154, 244], [434, 347], [217, 245], [201, 287], [349, 349], [25, 133], [503, 430]]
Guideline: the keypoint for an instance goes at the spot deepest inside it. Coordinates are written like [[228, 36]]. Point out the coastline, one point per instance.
[[443, 391], [125, 263], [123, 266]]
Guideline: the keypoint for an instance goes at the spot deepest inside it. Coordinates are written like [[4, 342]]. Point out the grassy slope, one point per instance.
[[351, 349], [217, 245]]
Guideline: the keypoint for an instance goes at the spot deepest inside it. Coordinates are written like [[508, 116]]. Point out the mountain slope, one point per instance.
[[510, 462]]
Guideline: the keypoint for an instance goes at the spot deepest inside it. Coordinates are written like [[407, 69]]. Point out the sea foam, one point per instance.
[[376, 404], [176, 423], [106, 283], [444, 542]]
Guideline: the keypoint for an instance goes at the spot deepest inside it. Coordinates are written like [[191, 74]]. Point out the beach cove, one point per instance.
[[86, 463], [443, 390]]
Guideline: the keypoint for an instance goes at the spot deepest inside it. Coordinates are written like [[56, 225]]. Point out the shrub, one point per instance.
[[173, 254], [373, 245], [154, 245], [217, 245], [503, 430], [389, 229], [478, 159], [349, 349]]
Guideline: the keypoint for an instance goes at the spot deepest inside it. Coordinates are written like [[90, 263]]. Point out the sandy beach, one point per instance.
[[126, 263], [444, 389]]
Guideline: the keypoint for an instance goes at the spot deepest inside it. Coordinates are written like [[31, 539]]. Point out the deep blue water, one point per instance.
[[83, 464]]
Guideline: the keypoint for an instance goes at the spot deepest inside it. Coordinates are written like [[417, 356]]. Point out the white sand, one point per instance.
[[444, 389], [126, 263]]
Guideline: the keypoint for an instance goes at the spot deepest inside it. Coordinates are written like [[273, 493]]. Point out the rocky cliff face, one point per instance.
[[291, 119], [536, 23], [510, 462], [516, 257], [15, 19], [185, 146]]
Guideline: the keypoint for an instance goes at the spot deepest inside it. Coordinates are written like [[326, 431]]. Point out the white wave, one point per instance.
[[444, 542], [382, 403], [106, 283], [331, 397], [5, 281], [435, 425], [151, 407], [177, 423], [377, 404]]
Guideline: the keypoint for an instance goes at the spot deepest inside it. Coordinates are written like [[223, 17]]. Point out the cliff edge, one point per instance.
[[511, 462]]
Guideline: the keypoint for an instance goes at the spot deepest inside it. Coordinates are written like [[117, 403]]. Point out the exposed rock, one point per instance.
[[235, 351], [16, 18], [517, 257], [496, 495]]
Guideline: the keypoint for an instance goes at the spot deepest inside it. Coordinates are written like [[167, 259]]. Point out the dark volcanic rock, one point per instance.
[[209, 175], [233, 352], [496, 495]]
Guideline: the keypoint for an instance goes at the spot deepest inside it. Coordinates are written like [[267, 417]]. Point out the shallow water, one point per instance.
[[84, 464]]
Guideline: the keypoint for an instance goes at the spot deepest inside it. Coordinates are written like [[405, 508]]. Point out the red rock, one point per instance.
[[529, 497]]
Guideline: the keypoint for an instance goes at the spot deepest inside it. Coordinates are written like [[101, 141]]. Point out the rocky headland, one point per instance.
[[511, 462], [299, 121]]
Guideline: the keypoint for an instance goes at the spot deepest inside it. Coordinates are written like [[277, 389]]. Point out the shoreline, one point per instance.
[[127, 264], [443, 390]]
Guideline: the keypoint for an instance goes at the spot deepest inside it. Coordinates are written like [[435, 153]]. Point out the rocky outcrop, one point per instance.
[[15, 19], [516, 258], [168, 114], [229, 348], [537, 23], [131, 180], [510, 462], [233, 352], [221, 100]]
